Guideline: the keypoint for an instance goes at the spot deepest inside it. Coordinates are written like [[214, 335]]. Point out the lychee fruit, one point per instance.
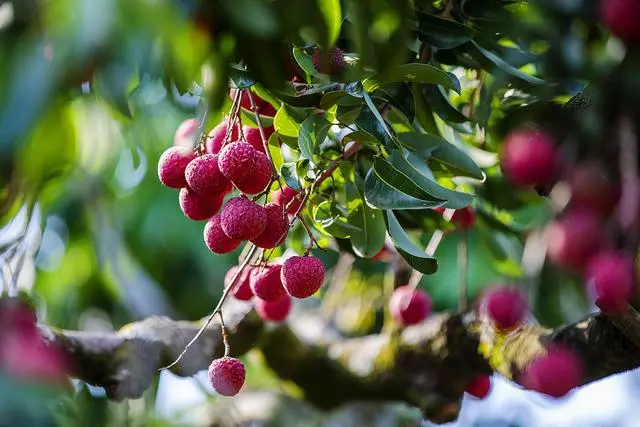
[[216, 239], [463, 218], [331, 62], [172, 164], [383, 255], [573, 239], [187, 134], [238, 161], [261, 177], [593, 188], [529, 158], [242, 219], [204, 176], [479, 386], [554, 374], [197, 207], [611, 279], [266, 283], [241, 289], [253, 137], [302, 276], [217, 134], [283, 196], [409, 306], [264, 107], [227, 375], [276, 230], [622, 17], [505, 306], [274, 311]]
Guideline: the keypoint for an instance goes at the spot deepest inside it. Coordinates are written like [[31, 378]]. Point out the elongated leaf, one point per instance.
[[287, 121], [414, 256], [275, 150], [491, 62], [370, 240], [338, 97], [332, 222], [442, 33], [312, 132], [400, 181], [382, 196], [360, 136], [306, 63], [332, 14], [430, 146], [288, 172], [414, 72], [441, 104], [368, 122]]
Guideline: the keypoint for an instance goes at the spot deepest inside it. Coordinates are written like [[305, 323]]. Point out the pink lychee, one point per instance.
[[227, 375], [241, 289], [187, 134], [592, 188], [261, 176], [463, 218], [479, 386], [276, 229], [610, 277], [283, 196], [505, 306], [242, 219], [172, 165], [217, 134], [622, 17], [253, 137], [237, 161], [573, 239], [204, 176], [216, 239], [264, 107], [197, 207], [274, 311], [529, 158], [266, 283], [331, 62], [409, 306], [555, 374], [302, 276]]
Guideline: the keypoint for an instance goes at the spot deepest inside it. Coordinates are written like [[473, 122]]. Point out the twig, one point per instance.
[[225, 337], [225, 294]]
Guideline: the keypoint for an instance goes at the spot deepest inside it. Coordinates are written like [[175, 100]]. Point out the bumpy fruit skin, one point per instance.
[[505, 306], [283, 196], [610, 277], [227, 375], [328, 63], [197, 207], [242, 289], [237, 161], [187, 134], [261, 177], [263, 107], [242, 219], [573, 239], [217, 134], [554, 374], [252, 136], [463, 218], [302, 276], [204, 176], [529, 158], [276, 229], [266, 284], [172, 164], [274, 311], [592, 188], [622, 17], [479, 387], [216, 239], [409, 306]]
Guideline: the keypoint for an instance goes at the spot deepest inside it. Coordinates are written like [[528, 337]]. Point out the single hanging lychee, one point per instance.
[[555, 373], [216, 239], [574, 238], [479, 387], [253, 137], [276, 229], [227, 375], [204, 176], [241, 289], [266, 283], [217, 134], [197, 207], [261, 177], [611, 279], [172, 165], [302, 276], [505, 306], [283, 196], [237, 161], [274, 311], [187, 134], [409, 306], [242, 219], [529, 158], [331, 62]]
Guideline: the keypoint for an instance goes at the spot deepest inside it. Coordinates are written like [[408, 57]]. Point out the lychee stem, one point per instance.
[[265, 143], [225, 337], [225, 294]]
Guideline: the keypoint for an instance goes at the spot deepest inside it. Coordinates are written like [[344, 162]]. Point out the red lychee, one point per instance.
[[555, 374], [409, 306], [462, 218], [216, 239], [505, 306], [266, 284], [383, 255], [529, 158], [187, 134], [242, 219], [241, 289], [592, 188], [283, 196], [172, 165], [610, 276], [217, 134], [253, 137], [276, 229], [227, 375], [204, 176], [261, 176], [263, 107], [238, 161], [331, 62], [197, 207], [302, 276], [622, 17], [274, 311], [479, 387], [573, 239]]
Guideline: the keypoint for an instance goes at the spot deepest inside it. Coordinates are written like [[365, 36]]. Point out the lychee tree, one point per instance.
[[465, 173]]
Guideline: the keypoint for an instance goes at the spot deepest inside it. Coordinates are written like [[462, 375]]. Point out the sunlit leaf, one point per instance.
[[414, 256]]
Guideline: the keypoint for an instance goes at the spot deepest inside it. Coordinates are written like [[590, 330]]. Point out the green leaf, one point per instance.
[[240, 79], [368, 122], [400, 181], [275, 150], [306, 63], [442, 33], [490, 61], [332, 14], [377, 115], [370, 240], [380, 195], [360, 136], [338, 97], [312, 132], [414, 72], [439, 101], [452, 157], [415, 257], [331, 221], [287, 121], [288, 171]]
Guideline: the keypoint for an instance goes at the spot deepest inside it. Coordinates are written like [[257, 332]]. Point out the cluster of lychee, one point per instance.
[[576, 240]]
